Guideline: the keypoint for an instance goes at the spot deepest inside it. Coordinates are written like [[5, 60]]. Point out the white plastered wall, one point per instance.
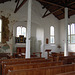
[[40, 26], [71, 47]]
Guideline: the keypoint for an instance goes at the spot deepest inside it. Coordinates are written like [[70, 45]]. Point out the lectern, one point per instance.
[[48, 50]]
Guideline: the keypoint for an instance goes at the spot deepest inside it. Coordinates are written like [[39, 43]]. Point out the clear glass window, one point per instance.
[[52, 39], [21, 31], [71, 33]]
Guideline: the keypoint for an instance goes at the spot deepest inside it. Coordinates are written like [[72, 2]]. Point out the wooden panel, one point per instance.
[[21, 49], [28, 66], [42, 71], [67, 73]]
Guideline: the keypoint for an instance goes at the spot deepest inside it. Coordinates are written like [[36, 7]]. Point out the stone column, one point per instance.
[[66, 33], [28, 30]]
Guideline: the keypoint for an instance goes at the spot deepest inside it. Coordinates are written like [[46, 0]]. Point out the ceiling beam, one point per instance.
[[71, 3], [49, 3], [59, 14], [18, 7], [17, 3], [55, 4], [51, 12], [45, 6], [45, 13], [57, 10]]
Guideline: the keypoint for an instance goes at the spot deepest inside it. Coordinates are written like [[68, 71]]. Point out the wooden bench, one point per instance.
[[66, 59], [72, 53], [37, 54], [2, 55], [28, 66], [3, 61], [67, 73], [45, 70], [23, 62], [19, 59]]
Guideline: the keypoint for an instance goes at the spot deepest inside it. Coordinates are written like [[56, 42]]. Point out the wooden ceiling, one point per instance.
[[2, 1], [55, 7]]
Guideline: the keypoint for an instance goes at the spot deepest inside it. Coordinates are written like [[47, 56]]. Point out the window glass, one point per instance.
[[24, 31], [71, 33], [52, 35], [52, 30], [21, 31], [52, 39], [72, 28], [18, 31], [68, 39], [68, 29], [72, 39]]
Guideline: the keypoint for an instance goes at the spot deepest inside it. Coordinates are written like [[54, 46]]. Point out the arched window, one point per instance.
[[71, 33], [0, 29], [21, 31], [52, 39]]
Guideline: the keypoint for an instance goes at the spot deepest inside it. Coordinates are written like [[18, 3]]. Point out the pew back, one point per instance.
[[67, 73], [28, 66], [44, 71], [23, 62]]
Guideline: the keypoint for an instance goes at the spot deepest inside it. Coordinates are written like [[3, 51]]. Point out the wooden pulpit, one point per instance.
[[48, 50]]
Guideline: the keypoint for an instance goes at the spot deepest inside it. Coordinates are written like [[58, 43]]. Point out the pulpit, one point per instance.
[[48, 51], [20, 52]]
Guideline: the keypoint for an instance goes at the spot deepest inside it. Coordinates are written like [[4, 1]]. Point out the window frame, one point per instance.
[[52, 35], [71, 34], [21, 30]]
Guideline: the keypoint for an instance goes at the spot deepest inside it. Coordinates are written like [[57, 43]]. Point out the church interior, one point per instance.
[[37, 37]]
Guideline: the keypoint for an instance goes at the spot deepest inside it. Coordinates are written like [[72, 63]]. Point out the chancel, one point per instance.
[[37, 37]]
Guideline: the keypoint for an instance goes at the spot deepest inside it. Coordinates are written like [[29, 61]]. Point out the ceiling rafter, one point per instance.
[[55, 4], [3, 1], [45, 6], [17, 3], [18, 7], [60, 14], [16, 0], [51, 12], [45, 13], [56, 9]]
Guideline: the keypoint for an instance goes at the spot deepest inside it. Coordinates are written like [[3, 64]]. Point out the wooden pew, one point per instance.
[[2, 61], [28, 66], [66, 59], [45, 70], [67, 73], [70, 53], [37, 54], [23, 62], [2, 55], [19, 59], [16, 60]]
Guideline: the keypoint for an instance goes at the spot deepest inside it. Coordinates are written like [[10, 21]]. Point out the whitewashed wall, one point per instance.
[[40, 26], [71, 47]]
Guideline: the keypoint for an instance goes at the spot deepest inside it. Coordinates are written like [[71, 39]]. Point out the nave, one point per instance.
[[55, 64]]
